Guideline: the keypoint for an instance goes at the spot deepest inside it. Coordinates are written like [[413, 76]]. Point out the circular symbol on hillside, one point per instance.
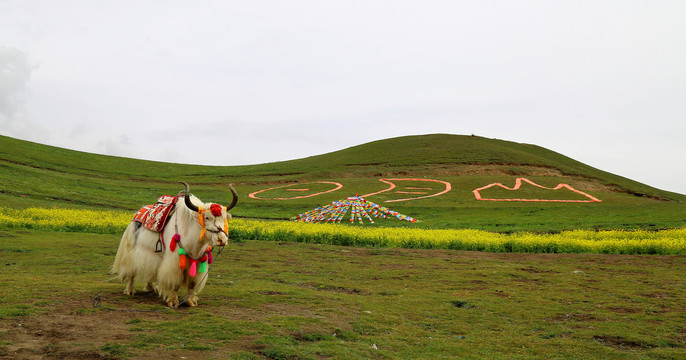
[[299, 190]]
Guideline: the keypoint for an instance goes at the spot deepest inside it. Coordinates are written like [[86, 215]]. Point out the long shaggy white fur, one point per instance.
[[136, 257]]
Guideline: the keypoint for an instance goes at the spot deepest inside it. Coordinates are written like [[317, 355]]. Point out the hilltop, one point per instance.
[[40, 175], [442, 154]]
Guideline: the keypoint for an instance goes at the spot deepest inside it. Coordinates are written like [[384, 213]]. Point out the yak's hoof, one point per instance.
[[173, 303], [193, 301], [129, 292]]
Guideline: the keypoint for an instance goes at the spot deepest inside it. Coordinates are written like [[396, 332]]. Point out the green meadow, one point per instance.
[[284, 300], [290, 298]]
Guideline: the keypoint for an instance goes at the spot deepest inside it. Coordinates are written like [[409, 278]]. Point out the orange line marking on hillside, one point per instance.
[[518, 184], [392, 186], [297, 189], [338, 186]]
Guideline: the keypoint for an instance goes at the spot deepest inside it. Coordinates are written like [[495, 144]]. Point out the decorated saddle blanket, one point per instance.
[[154, 217]]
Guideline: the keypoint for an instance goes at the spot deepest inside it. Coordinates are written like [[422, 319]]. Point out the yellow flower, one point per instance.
[[576, 241]]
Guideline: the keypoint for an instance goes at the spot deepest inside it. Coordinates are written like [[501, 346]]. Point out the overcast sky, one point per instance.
[[245, 82]]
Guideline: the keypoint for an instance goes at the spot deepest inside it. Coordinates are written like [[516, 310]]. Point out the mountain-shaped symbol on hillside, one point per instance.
[[518, 184]]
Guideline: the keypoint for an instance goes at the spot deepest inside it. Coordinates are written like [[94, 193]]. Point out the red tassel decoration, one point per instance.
[[209, 257], [194, 268], [176, 238]]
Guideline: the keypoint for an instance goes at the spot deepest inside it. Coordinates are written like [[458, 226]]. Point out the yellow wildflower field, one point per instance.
[[578, 241], [71, 220], [663, 242]]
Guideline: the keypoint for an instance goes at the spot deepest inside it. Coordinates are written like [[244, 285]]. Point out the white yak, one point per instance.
[[198, 225]]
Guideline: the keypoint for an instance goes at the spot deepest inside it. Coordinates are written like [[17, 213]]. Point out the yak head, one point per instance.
[[213, 217]]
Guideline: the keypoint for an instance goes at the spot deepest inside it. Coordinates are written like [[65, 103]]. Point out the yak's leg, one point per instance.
[[129, 287], [173, 298], [169, 280], [192, 298], [173, 301], [150, 287]]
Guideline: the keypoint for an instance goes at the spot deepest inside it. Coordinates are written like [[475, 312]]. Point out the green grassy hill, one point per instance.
[[38, 175]]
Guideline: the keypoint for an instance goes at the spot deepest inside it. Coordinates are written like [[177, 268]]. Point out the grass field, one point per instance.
[[291, 291], [282, 300]]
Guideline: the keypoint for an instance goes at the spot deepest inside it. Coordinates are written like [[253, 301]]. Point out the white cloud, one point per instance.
[[15, 72], [282, 80]]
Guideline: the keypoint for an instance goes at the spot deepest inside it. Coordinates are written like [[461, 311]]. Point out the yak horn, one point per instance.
[[235, 198], [187, 198]]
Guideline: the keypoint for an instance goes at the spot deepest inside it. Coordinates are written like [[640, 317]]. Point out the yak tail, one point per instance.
[[126, 246]]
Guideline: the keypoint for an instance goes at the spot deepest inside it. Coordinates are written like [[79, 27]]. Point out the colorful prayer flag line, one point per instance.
[[358, 207]]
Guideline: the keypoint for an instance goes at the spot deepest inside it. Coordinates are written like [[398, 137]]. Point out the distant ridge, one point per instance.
[[419, 154], [39, 175]]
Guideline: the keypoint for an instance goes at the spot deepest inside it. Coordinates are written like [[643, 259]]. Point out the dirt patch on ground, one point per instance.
[[619, 342], [573, 317], [624, 310], [56, 333], [72, 329], [533, 270]]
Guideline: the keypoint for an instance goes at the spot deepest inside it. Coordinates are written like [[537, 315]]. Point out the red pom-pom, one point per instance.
[[203, 258], [216, 209], [176, 238]]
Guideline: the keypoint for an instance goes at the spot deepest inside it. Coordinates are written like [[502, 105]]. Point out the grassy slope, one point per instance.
[[38, 175]]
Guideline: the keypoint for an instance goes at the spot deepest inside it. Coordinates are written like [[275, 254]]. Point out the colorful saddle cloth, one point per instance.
[[154, 217]]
